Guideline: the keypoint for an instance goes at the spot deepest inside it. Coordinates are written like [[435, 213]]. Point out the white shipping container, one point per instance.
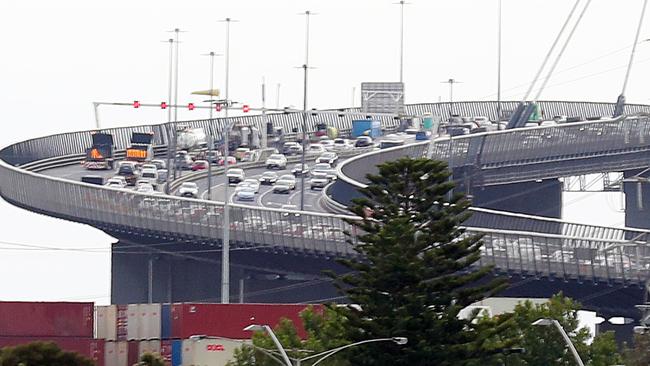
[[209, 352], [106, 322], [148, 346], [149, 322], [115, 354], [133, 322]]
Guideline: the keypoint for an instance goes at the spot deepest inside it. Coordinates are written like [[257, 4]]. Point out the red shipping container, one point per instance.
[[166, 351], [229, 320], [133, 355], [88, 347], [50, 319]]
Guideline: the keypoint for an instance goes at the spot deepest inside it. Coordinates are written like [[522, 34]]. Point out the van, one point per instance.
[[93, 179]]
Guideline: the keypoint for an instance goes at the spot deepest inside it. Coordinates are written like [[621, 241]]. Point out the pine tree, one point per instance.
[[416, 271]]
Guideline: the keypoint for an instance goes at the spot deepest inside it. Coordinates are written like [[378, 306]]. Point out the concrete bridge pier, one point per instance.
[[637, 198]]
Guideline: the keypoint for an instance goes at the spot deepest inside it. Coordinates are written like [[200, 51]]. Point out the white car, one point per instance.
[[116, 182], [315, 149], [319, 180], [235, 175], [250, 183], [324, 168], [329, 158], [246, 193], [189, 189], [150, 176], [286, 180], [145, 188], [149, 166], [269, 178], [327, 144], [341, 144], [276, 161]]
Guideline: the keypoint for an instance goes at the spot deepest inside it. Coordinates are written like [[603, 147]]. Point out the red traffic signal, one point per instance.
[[217, 107], [136, 104], [190, 106], [163, 105], [245, 108]]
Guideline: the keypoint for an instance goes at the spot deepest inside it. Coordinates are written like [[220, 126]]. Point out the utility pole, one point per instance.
[[264, 131], [176, 31], [499, 69], [171, 131], [451, 83], [401, 43], [210, 138], [305, 114]]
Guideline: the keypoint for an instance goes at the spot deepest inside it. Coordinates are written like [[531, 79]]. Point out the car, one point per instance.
[[340, 144], [319, 180], [363, 141], [300, 169], [323, 168], [149, 166], [159, 164], [291, 148], [116, 183], [293, 208], [129, 173], [246, 193], [423, 135], [276, 161], [329, 158], [287, 179], [183, 160], [144, 187], [235, 175], [315, 149], [213, 156], [240, 152], [282, 187], [200, 165], [188, 189], [327, 144], [411, 131], [253, 183], [268, 178], [149, 176], [231, 161]]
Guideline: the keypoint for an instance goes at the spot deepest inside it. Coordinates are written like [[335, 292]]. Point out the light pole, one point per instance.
[[549, 322], [499, 69], [401, 41], [305, 115], [225, 253], [323, 355], [211, 93], [451, 83], [176, 31], [171, 133]]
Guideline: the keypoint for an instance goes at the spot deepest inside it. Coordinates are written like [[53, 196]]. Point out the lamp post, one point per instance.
[[305, 115], [451, 83], [549, 322], [499, 69], [323, 355], [171, 133], [401, 41], [211, 93], [225, 253]]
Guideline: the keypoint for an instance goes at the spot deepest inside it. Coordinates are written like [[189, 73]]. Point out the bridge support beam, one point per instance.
[[538, 198], [637, 198]]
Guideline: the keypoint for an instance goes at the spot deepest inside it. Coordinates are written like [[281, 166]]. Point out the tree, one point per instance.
[[41, 353], [151, 359], [416, 271], [545, 346], [324, 332], [639, 355]]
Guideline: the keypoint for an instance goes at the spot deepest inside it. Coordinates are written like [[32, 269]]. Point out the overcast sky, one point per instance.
[[60, 56]]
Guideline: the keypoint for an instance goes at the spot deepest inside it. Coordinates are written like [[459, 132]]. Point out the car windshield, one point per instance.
[[287, 177], [276, 156], [189, 185], [126, 169], [148, 175], [328, 155], [321, 166], [339, 141], [235, 171], [269, 175], [250, 181], [247, 189]]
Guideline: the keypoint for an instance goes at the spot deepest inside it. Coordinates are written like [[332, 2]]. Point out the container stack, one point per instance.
[[68, 324]]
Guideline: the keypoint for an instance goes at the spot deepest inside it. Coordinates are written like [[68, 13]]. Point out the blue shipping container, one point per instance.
[[368, 127], [166, 321], [177, 352]]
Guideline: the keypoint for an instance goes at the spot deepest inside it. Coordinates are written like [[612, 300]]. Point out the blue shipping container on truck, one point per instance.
[[177, 352], [166, 321], [366, 127]]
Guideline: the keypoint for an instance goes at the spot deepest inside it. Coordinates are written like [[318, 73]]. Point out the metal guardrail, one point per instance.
[[570, 254]]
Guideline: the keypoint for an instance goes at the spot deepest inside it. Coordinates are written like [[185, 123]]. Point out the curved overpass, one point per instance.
[[516, 243]]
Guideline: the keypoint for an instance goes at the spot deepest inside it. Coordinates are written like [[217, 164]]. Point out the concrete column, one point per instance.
[[637, 199]]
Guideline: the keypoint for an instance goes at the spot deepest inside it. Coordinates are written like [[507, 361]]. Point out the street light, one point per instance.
[[211, 92], [549, 322], [256, 328], [401, 42], [451, 83], [305, 115]]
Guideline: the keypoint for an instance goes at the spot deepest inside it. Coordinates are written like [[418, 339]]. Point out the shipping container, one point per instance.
[[132, 356], [166, 351], [116, 354], [88, 347], [177, 352], [106, 322], [51, 319], [122, 322], [133, 322], [166, 321], [150, 346], [209, 352], [229, 320], [366, 127], [149, 321]]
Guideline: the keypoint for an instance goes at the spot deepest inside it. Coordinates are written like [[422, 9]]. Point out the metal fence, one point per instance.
[[524, 246]]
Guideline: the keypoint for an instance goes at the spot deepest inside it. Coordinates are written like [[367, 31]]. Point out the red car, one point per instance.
[[231, 160], [200, 165]]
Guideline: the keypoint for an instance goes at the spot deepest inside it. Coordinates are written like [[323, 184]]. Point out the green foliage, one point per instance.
[[151, 359], [544, 345], [639, 355], [324, 332], [41, 354], [417, 271]]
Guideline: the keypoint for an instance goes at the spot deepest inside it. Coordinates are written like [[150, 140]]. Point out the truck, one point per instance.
[[100, 155], [366, 127], [141, 149], [192, 140]]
